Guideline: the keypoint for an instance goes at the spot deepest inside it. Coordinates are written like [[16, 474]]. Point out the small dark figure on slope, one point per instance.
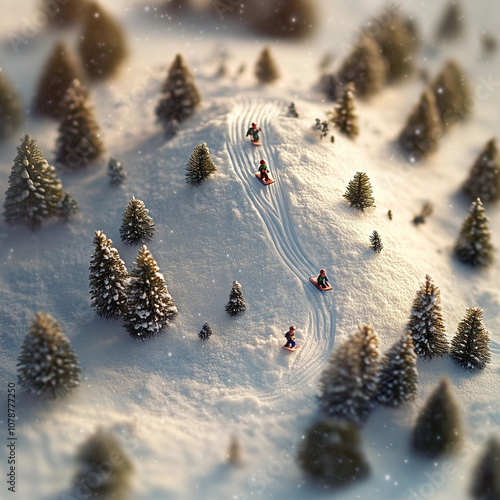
[[253, 132], [264, 171], [323, 279], [290, 337]]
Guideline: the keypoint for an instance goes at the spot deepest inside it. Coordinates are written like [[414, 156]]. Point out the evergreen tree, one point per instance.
[[265, 69], [470, 347], [365, 67], [344, 114], [102, 45], [116, 172], [389, 214], [321, 127], [104, 467], [67, 207], [426, 324], [64, 13], [205, 332], [359, 192], [330, 86], [486, 481], [11, 110], [108, 278], [451, 25], [484, 177], [179, 96], [59, 72], [200, 166], [236, 304], [398, 377], [331, 454], [47, 363], [149, 305], [473, 245], [137, 225], [292, 111], [34, 190], [420, 136], [79, 142], [438, 429], [348, 385], [233, 452], [376, 242]]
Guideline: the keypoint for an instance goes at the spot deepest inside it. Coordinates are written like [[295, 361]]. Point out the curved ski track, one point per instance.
[[271, 205]]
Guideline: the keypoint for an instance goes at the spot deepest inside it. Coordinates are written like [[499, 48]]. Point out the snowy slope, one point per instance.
[[176, 401]]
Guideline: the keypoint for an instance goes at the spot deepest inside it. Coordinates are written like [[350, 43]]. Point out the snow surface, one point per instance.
[[175, 401]]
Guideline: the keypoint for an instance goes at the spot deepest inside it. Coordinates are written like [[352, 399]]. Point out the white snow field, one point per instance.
[[175, 401]]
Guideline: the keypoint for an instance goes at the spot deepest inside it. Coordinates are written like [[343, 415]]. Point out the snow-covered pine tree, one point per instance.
[[149, 305], [108, 278], [236, 304], [486, 479], [398, 376], [331, 454], [344, 115], [34, 190], [67, 207], [206, 331], [321, 127], [137, 225], [451, 24], [292, 111], [426, 325], [103, 46], [470, 347], [265, 68], [11, 110], [365, 67], [376, 242], [105, 469], [422, 131], [484, 177], [116, 172], [57, 75], [366, 344], [61, 14], [79, 142], [47, 363], [359, 192], [200, 165], [179, 96], [438, 429], [473, 245]]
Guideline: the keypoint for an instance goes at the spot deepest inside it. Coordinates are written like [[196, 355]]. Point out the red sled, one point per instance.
[[256, 143], [270, 181], [314, 281], [291, 348]]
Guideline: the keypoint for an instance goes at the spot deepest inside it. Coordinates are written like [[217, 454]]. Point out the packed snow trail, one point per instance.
[[272, 206]]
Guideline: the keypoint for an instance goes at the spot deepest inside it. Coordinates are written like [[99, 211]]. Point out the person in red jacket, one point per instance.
[[264, 170], [253, 131]]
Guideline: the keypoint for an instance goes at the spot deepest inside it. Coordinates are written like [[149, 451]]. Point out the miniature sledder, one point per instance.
[[263, 174], [253, 132], [290, 340], [321, 281]]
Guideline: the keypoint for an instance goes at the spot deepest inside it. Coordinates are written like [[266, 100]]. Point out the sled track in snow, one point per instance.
[[271, 205]]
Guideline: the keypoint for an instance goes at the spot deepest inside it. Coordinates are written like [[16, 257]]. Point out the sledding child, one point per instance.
[[290, 337], [323, 279], [263, 169], [253, 131]]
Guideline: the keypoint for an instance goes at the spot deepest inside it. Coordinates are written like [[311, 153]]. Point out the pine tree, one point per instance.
[[484, 177], [149, 305], [64, 13], [47, 363], [470, 347], [321, 127], [34, 190], [265, 68], [344, 114], [200, 166], [11, 110], [179, 96], [365, 67], [116, 172], [426, 324], [108, 278], [292, 111], [205, 332], [451, 25], [486, 480], [348, 385], [103, 45], [420, 136], [359, 192], [331, 454], [236, 304], [233, 452], [59, 72], [376, 242], [137, 225], [105, 469], [473, 245], [330, 86], [398, 377], [67, 207], [438, 429], [79, 142]]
